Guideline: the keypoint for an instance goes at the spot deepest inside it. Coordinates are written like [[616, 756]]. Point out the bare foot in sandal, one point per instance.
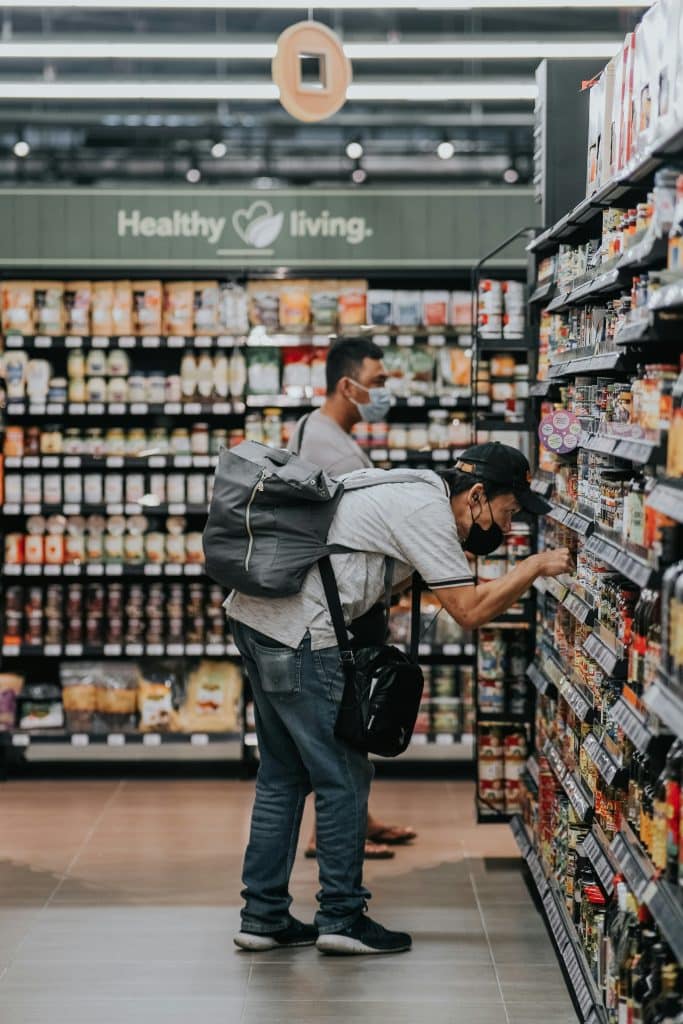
[[394, 835]]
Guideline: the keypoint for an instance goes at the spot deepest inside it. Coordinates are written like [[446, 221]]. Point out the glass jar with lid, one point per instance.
[[438, 431], [199, 439], [180, 441], [272, 427]]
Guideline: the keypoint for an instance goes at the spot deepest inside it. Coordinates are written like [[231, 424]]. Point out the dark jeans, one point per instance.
[[296, 697]]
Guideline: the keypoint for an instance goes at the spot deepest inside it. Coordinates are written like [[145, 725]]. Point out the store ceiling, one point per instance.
[[220, 49]]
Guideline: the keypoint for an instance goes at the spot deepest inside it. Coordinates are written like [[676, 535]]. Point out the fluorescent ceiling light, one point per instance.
[[347, 5], [399, 92], [463, 49]]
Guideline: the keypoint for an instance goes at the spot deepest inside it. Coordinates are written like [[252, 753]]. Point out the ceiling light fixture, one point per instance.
[[88, 90], [346, 5], [445, 150], [219, 150], [359, 175], [194, 175], [354, 151], [21, 149], [464, 49], [511, 175]]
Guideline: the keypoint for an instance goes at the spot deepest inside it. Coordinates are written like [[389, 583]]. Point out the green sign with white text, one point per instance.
[[167, 229]]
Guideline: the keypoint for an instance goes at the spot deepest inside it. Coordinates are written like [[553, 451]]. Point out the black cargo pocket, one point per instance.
[[279, 669]]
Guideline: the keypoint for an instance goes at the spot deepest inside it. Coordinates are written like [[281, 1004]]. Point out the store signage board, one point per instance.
[[129, 229]]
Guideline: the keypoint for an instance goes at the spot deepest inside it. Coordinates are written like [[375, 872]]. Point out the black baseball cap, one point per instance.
[[501, 464]]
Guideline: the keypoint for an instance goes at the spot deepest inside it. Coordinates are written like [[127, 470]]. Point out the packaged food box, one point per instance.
[[147, 305], [324, 296], [461, 309], [351, 304], [380, 307], [435, 308], [407, 308], [178, 314], [77, 300], [264, 304], [206, 302], [17, 307], [295, 305]]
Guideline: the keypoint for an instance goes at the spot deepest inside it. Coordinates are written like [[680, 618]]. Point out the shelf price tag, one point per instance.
[[80, 739], [151, 341], [151, 739], [175, 341], [199, 739], [116, 739]]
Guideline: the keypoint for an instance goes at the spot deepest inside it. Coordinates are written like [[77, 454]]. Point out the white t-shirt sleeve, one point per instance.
[[428, 541]]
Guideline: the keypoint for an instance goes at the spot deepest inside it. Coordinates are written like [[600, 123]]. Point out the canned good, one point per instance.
[[180, 441], [113, 489], [34, 550], [135, 487], [156, 390], [196, 489], [73, 489], [93, 489], [14, 442], [54, 549], [175, 488], [14, 489], [155, 547], [175, 548], [157, 487], [199, 439]]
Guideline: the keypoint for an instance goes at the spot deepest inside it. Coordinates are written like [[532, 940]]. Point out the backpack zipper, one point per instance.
[[258, 487]]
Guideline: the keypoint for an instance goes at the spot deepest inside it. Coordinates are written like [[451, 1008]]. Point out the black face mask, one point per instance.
[[483, 542]]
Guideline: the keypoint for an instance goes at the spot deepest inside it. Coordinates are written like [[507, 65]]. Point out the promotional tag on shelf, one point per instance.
[[559, 432]]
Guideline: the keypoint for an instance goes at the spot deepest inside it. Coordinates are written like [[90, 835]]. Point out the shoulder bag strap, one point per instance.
[[415, 617], [336, 612], [299, 434]]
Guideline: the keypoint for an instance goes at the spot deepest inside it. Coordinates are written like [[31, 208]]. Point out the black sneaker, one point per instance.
[[295, 934], [364, 936]]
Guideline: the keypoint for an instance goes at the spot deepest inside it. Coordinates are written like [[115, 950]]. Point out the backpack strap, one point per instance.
[[297, 440], [331, 589]]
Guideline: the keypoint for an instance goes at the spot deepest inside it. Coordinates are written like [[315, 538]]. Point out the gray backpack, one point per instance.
[[270, 515]]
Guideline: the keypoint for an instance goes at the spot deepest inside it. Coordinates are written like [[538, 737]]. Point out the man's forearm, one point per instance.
[[472, 607]]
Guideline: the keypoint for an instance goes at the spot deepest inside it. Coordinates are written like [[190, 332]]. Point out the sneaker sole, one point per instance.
[[262, 943], [343, 945]]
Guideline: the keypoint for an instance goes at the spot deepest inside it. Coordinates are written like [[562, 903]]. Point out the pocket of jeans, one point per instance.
[[279, 669], [328, 665]]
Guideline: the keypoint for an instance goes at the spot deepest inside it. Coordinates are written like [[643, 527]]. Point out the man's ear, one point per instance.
[[476, 494]]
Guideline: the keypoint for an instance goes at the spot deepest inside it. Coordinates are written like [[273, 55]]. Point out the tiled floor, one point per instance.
[[118, 900]]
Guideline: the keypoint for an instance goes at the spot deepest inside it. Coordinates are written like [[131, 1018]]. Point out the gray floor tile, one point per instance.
[[132, 980], [32, 1009], [524, 950], [371, 979], [527, 1014], [376, 1012]]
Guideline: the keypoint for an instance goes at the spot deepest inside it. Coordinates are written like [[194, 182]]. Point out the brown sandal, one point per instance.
[[392, 835], [373, 851]]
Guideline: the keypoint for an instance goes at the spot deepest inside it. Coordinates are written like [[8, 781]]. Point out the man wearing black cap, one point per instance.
[[425, 524]]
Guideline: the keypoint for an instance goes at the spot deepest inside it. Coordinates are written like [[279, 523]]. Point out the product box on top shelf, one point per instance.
[[599, 122], [649, 56], [620, 120]]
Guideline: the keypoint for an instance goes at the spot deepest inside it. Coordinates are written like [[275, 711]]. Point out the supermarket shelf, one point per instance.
[[100, 569], [149, 341], [578, 795], [103, 462], [22, 740], [540, 681], [559, 303], [669, 296], [577, 700], [120, 650], [437, 748], [133, 409], [609, 552], [587, 364], [610, 769], [543, 293], [542, 486], [596, 848], [663, 900], [541, 388], [600, 282], [583, 989], [665, 698], [648, 253], [436, 455], [635, 333], [610, 659], [667, 498], [465, 653], [634, 449], [633, 723], [532, 769], [493, 424], [129, 508], [579, 609], [503, 344], [572, 520]]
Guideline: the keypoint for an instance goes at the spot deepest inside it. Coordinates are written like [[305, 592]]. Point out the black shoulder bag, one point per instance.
[[383, 686]]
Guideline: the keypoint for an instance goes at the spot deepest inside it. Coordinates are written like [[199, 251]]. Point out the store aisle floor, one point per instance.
[[118, 901]]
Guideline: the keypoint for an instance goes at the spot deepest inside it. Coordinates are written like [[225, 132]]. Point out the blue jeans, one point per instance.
[[297, 693]]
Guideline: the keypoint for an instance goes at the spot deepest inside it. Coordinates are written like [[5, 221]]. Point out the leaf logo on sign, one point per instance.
[[258, 226]]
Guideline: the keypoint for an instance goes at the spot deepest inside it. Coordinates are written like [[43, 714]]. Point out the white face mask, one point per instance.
[[377, 408]]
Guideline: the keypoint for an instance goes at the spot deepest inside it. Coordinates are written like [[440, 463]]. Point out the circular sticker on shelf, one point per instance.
[[559, 432], [311, 71]]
